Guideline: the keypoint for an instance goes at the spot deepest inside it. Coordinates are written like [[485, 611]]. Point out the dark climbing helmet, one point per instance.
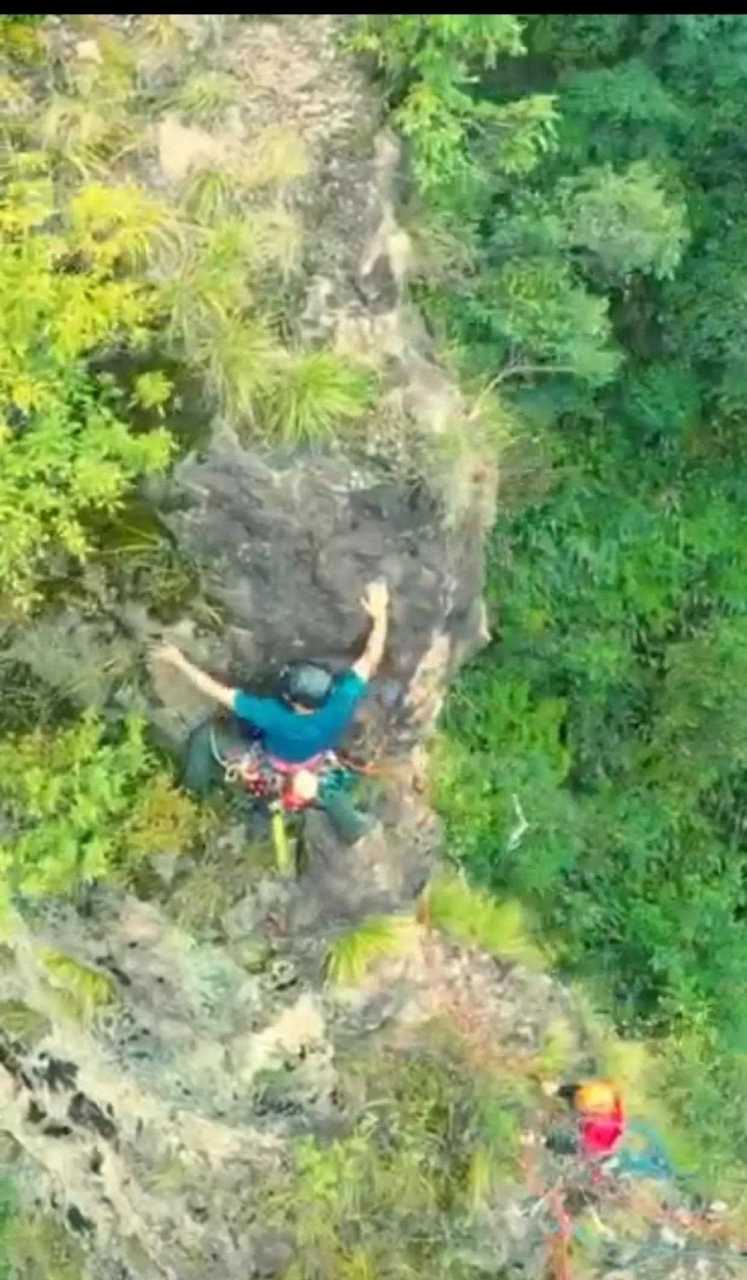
[[306, 683]]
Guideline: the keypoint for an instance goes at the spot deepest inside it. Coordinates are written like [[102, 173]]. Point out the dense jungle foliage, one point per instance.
[[594, 757]]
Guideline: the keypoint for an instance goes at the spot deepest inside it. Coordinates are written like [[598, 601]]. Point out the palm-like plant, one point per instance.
[[352, 954]]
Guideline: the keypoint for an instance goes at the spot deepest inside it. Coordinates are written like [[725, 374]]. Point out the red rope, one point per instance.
[[560, 1241]]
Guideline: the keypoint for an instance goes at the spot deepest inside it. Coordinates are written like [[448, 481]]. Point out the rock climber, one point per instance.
[[301, 725], [598, 1107]]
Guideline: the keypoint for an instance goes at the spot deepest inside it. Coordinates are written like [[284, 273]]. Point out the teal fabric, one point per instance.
[[294, 737], [642, 1154]]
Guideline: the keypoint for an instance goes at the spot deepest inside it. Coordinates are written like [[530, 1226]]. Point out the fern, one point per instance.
[[351, 955], [474, 917], [316, 394], [163, 820], [153, 390]]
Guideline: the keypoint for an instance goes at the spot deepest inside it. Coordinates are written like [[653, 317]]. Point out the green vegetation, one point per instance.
[[85, 803], [396, 1195], [475, 918], [354, 952], [592, 762], [92, 266], [80, 991], [38, 1248], [206, 96]]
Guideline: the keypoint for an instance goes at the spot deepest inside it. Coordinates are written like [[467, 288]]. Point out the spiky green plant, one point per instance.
[[88, 133], [211, 193], [23, 1023], [162, 32], [317, 394], [474, 917], [240, 362], [351, 954], [277, 239], [558, 1048], [206, 96], [211, 284]]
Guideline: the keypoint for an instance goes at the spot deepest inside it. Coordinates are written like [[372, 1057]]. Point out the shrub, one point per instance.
[[65, 449], [83, 804]]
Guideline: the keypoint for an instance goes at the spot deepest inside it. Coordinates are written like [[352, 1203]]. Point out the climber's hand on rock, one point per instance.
[[166, 653], [376, 600]]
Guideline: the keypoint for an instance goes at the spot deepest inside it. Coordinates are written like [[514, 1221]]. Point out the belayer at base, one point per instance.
[[281, 749]]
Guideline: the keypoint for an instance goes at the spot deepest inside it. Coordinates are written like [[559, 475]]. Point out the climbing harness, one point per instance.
[[270, 782]]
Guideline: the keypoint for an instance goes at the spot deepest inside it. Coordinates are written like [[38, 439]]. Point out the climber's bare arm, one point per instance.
[[200, 679], [376, 604]]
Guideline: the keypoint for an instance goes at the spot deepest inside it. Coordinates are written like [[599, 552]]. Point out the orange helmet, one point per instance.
[[597, 1097]]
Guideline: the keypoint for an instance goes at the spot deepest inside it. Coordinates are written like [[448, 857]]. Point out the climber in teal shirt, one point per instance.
[[313, 709], [293, 729]]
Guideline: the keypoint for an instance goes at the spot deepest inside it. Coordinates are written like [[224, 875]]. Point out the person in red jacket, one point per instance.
[[601, 1117]]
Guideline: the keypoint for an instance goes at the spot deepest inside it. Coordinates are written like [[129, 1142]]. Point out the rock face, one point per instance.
[[287, 550]]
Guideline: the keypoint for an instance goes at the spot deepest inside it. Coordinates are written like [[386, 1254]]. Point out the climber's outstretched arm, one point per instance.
[[200, 679], [376, 604]]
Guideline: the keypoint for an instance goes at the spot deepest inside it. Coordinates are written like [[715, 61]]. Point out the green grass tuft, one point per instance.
[[240, 359], [351, 955], [211, 193], [206, 96], [472, 916], [316, 395]]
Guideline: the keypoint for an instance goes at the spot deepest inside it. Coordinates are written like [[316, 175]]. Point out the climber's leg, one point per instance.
[[201, 770], [348, 822], [215, 737]]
